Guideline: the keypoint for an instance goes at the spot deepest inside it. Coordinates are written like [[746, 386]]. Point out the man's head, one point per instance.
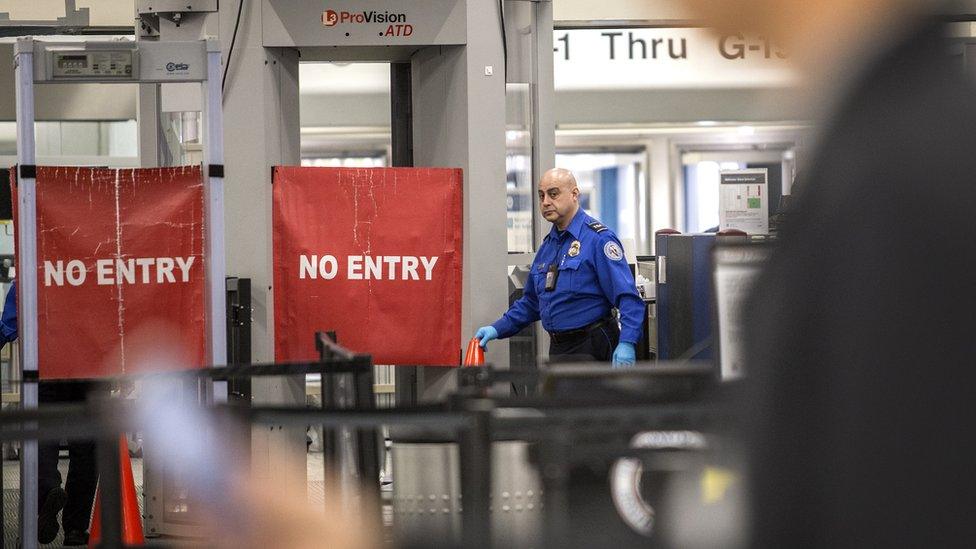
[[558, 197]]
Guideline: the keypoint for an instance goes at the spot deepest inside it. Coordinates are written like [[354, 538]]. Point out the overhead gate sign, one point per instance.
[[120, 271], [373, 254]]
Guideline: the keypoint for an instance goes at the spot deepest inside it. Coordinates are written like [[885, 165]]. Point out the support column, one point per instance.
[[661, 185], [27, 283], [543, 119], [261, 129], [401, 133], [147, 120], [459, 121]]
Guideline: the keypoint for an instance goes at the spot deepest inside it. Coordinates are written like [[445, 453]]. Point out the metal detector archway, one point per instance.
[[38, 62]]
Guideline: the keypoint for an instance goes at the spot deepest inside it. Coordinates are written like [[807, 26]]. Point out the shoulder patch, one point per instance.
[[597, 226], [613, 251]]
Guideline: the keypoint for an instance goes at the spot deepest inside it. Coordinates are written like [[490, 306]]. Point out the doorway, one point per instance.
[[700, 181], [344, 111]]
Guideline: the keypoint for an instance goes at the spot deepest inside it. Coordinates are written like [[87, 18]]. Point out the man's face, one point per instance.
[[558, 199]]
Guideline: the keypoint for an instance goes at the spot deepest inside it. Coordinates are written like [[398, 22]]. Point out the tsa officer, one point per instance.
[[579, 276]]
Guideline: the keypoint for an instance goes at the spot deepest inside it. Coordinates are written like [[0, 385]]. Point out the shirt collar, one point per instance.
[[574, 226]]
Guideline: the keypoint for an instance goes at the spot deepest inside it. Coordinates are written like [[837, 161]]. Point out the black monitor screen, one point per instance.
[[6, 207]]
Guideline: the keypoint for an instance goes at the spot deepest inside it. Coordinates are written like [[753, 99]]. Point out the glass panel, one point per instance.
[[701, 194], [115, 139], [613, 190], [375, 160], [8, 138]]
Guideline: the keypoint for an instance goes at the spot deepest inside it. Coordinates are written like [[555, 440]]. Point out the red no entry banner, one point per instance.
[[374, 254], [120, 271]]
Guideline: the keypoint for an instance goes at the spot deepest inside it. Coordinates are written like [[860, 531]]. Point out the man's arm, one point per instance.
[[620, 289], [523, 312], [8, 321]]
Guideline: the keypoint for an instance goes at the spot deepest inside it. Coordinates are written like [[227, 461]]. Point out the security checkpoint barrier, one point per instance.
[[490, 454], [126, 246], [349, 254], [65, 268]]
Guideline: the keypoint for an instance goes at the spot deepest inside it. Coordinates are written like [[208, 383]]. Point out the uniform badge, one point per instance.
[[574, 248], [613, 251]]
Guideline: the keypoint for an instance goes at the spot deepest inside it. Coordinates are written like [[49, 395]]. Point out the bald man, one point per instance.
[[578, 278]]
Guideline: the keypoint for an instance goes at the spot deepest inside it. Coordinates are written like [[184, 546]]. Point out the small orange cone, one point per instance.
[[131, 521], [475, 355]]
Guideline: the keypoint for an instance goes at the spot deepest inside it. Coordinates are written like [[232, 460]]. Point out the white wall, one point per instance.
[[102, 13]]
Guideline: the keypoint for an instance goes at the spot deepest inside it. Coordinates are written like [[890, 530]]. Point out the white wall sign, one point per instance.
[[587, 59], [736, 270], [312, 23], [743, 200]]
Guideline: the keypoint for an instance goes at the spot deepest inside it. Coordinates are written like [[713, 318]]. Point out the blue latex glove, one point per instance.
[[486, 334], [625, 355]]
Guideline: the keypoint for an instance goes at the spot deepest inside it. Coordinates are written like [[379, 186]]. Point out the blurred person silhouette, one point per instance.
[[241, 507], [861, 346], [74, 501]]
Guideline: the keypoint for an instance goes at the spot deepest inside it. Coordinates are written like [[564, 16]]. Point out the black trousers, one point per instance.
[[82, 470], [596, 344]]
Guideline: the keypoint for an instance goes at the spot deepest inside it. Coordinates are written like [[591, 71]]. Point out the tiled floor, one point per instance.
[[11, 495]]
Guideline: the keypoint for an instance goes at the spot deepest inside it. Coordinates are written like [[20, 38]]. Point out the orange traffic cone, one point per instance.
[[131, 521], [475, 355]]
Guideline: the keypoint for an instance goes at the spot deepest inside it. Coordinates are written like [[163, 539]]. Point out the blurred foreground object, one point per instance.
[[131, 522], [862, 340], [276, 513], [241, 509]]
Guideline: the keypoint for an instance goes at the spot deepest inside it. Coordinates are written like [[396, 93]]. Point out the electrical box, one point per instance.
[[90, 64], [684, 296], [119, 61]]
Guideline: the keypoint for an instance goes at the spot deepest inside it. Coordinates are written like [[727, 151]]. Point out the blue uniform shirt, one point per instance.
[[8, 322], [593, 278]]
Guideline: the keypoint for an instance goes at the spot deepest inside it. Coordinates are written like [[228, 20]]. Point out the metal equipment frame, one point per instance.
[[24, 58], [557, 426]]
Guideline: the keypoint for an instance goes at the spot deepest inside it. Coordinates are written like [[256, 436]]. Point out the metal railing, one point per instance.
[[469, 418]]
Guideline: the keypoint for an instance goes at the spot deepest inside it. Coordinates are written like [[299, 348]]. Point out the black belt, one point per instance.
[[578, 333]]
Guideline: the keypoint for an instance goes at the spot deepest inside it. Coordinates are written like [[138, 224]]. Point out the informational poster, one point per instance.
[[373, 254], [120, 271], [744, 200]]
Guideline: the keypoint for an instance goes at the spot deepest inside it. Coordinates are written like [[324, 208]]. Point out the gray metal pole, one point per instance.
[[27, 280], [213, 154], [401, 140], [475, 452], [543, 130], [543, 117], [110, 487]]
